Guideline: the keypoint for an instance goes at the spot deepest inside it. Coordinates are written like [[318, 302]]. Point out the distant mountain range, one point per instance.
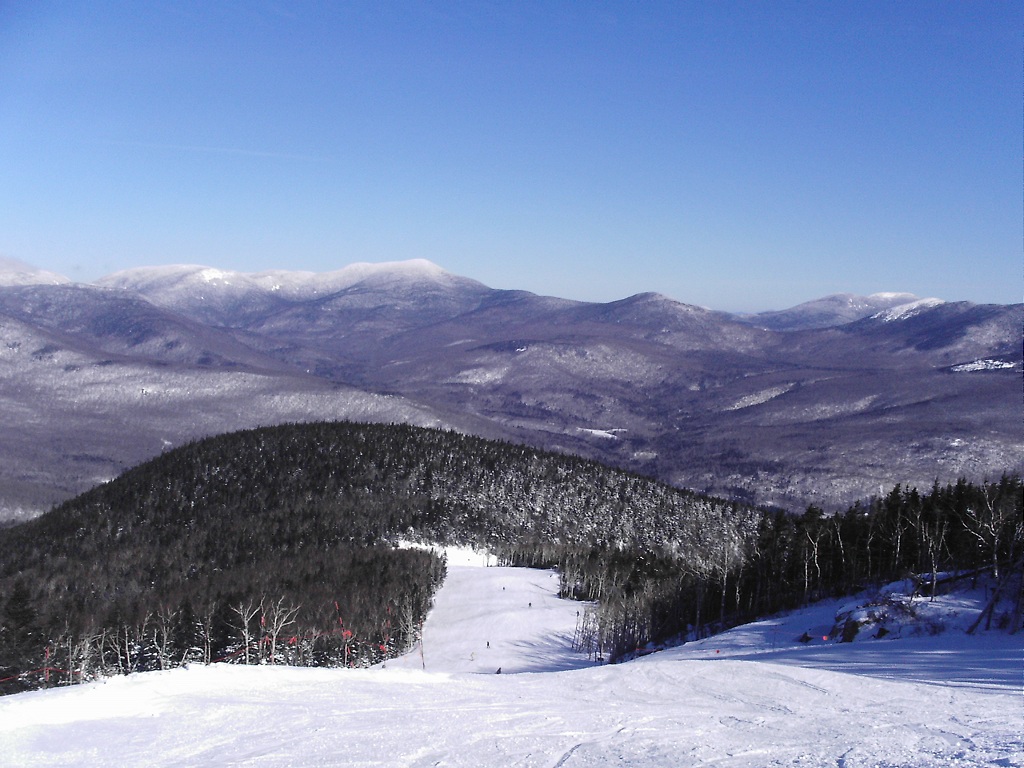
[[822, 403], [834, 310]]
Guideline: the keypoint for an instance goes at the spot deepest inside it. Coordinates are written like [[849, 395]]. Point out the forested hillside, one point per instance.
[[956, 531], [278, 545]]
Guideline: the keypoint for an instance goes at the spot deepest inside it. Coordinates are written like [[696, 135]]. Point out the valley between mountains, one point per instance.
[[825, 403]]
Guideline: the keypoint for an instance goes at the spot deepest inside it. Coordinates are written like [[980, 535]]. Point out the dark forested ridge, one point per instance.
[[277, 545], [193, 555]]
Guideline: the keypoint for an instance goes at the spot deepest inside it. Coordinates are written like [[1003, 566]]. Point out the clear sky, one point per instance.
[[737, 155]]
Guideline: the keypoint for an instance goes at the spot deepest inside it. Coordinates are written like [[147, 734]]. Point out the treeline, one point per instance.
[[276, 544], [961, 526], [646, 595], [345, 606]]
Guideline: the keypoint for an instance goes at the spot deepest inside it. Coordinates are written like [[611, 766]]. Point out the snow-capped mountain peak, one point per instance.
[[15, 272], [835, 309], [163, 281], [228, 297], [906, 311]]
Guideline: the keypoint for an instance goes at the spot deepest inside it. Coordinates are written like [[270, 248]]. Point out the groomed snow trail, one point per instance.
[[751, 697], [486, 619]]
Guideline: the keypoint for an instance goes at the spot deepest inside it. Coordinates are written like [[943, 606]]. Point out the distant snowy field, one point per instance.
[[750, 697]]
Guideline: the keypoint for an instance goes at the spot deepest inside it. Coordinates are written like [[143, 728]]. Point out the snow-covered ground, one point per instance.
[[754, 696]]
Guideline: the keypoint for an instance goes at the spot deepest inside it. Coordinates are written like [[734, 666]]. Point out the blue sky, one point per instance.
[[743, 156]]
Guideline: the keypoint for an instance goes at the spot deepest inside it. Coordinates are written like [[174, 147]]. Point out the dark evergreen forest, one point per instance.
[[950, 533], [278, 545]]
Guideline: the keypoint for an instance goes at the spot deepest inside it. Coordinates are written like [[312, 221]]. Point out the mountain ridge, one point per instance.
[[160, 284], [827, 311], [699, 398]]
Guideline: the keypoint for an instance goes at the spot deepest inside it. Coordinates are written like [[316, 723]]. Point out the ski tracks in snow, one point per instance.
[[738, 705]]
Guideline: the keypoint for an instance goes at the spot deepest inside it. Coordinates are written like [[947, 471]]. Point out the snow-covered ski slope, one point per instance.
[[485, 619], [750, 697]]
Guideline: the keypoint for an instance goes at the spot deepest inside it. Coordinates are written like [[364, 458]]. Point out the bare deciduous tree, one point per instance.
[[278, 616], [246, 612]]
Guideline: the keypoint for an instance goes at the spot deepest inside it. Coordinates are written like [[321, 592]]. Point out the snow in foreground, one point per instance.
[[750, 697]]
